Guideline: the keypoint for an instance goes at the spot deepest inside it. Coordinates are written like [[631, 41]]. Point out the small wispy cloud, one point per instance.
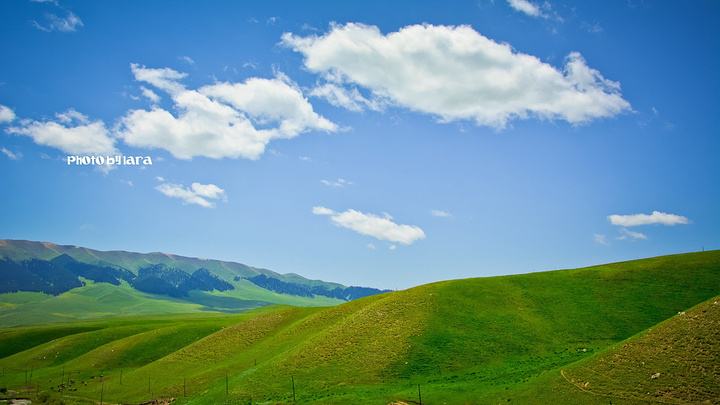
[[440, 213], [536, 10], [53, 22], [186, 59], [632, 235], [379, 227], [150, 95], [526, 7], [308, 27], [6, 114], [197, 193], [600, 239], [594, 28], [10, 154], [339, 183]]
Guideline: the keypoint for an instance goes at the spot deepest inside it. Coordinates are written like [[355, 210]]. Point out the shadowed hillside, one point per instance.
[[677, 361]]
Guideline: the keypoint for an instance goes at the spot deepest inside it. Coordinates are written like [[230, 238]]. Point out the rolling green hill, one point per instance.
[[677, 361], [486, 340]]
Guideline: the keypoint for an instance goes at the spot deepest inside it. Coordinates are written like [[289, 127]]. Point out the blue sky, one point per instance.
[[367, 143]]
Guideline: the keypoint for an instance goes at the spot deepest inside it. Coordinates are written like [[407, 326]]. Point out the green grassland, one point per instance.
[[532, 338], [101, 300]]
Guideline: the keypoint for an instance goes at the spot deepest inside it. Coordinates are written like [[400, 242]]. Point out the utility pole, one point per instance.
[[419, 395], [292, 379], [226, 384], [102, 390]]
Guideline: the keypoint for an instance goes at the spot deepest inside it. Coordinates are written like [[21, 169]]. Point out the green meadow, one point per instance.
[[594, 335]]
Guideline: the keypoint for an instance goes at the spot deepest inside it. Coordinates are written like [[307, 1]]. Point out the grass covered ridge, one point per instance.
[[485, 340]]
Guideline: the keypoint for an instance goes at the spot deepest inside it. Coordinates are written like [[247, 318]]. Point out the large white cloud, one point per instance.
[[6, 114], [197, 193], [220, 120], [379, 227], [455, 73], [71, 132], [656, 217]]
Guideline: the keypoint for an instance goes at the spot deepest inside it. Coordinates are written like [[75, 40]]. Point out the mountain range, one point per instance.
[[35, 275]]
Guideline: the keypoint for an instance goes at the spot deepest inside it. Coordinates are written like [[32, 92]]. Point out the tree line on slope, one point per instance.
[[63, 273], [283, 287]]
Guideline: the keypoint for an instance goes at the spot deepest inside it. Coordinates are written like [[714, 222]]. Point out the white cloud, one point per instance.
[[600, 239], [537, 10], [10, 154], [187, 59], [210, 191], [339, 183], [440, 213], [198, 194], [594, 28], [628, 234], [322, 211], [6, 114], [455, 73], [71, 115], [72, 133], [392, 247], [150, 95], [371, 246], [379, 227], [656, 217], [220, 120], [526, 7], [160, 178], [70, 23], [350, 99]]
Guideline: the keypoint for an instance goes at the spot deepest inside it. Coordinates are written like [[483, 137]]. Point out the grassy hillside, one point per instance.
[[677, 361], [90, 301], [486, 340], [100, 300]]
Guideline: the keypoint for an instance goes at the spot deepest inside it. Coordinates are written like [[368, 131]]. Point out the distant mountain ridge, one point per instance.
[[18, 250], [48, 268]]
